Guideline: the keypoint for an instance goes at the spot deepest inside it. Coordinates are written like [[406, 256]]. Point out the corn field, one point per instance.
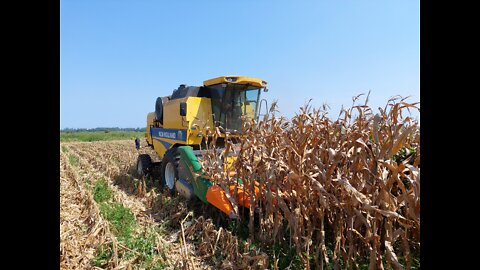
[[334, 182], [343, 194]]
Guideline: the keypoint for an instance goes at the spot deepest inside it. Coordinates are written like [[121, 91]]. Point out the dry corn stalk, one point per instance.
[[334, 181]]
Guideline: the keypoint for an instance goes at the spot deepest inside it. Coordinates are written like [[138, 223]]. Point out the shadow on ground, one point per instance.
[[166, 208]]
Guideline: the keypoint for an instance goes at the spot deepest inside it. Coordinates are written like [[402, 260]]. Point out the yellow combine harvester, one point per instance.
[[176, 132]]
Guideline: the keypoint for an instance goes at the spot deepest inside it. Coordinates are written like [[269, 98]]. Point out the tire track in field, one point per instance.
[[82, 228]]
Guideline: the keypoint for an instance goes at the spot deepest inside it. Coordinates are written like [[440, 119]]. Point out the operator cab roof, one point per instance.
[[236, 80]]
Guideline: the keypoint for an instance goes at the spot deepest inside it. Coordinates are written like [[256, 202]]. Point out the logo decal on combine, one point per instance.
[[173, 134], [168, 135]]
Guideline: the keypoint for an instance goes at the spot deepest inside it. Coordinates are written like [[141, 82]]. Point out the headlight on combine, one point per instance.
[[231, 79]]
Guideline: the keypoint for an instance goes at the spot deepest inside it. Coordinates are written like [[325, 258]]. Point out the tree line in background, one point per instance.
[[102, 129]]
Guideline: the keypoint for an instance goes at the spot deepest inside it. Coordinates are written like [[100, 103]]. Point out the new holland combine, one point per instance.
[[177, 132]]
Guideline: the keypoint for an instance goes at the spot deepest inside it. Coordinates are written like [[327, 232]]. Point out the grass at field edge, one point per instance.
[[91, 136]]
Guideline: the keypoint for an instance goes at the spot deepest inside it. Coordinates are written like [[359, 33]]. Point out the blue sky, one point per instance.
[[118, 56]]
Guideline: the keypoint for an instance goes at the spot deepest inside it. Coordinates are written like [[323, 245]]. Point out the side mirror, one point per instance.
[[265, 115], [265, 89], [183, 109]]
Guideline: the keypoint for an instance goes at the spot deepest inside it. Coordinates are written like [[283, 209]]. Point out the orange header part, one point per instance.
[[243, 197], [216, 196]]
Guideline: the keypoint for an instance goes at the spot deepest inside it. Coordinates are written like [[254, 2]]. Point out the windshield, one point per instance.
[[232, 102]]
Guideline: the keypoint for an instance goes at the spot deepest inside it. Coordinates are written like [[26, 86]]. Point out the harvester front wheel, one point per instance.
[[169, 169], [144, 164]]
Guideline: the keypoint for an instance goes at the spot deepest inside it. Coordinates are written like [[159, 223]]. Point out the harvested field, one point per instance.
[[337, 194], [87, 238]]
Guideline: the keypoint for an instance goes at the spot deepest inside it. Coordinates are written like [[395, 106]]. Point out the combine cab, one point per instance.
[[177, 131]]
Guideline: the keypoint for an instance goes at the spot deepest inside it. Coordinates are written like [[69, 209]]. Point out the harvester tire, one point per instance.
[[169, 169], [144, 165]]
